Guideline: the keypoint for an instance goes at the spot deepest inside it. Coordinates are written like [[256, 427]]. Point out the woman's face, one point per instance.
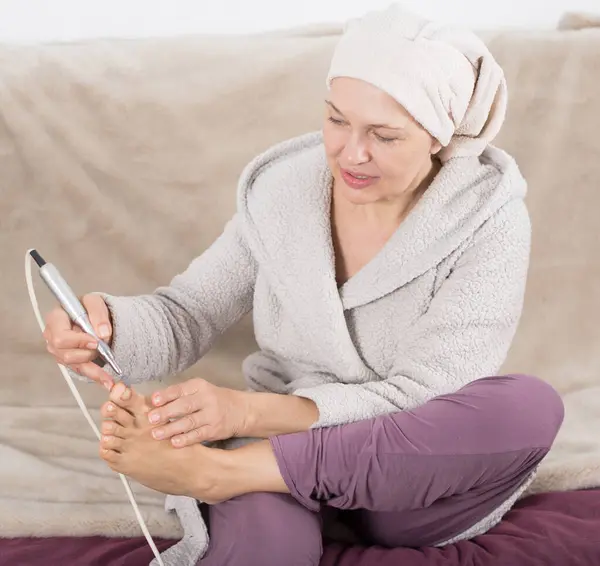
[[376, 151]]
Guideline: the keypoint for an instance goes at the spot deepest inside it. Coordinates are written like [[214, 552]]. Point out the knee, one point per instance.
[[265, 529], [278, 545], [537, 406]]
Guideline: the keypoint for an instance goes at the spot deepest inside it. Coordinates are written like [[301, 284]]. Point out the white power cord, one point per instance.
[[69, 380]]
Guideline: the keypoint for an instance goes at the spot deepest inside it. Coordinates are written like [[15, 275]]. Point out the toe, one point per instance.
[[110, 456], [108, 410], [112, 428], [122, 417], [128, 399], [111, 443]]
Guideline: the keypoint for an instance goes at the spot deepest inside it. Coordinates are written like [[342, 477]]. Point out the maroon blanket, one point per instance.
[[555, 529]]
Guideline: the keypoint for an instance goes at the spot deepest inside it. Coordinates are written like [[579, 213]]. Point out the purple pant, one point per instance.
[[413, 478]]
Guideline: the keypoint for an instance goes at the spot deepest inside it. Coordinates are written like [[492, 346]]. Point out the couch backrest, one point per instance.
[[120, 159], [553, 131]]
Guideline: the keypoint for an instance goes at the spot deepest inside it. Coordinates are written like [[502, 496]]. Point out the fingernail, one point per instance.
[[154, 418], [158, 434], [104, 331], [126, 394], [92, 345]]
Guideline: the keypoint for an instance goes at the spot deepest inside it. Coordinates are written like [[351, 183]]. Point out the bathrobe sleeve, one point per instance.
[[165, 332], [464, 335]]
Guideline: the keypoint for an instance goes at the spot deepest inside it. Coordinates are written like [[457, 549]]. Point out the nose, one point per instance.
[[355, 151]]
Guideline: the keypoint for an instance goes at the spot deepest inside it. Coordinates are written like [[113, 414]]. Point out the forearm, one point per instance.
[[157, 335], [271, 414], [167, 331]]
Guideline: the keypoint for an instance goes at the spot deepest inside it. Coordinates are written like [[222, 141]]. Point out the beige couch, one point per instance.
[[119, 160]]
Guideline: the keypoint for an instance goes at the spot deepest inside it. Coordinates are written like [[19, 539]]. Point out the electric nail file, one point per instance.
[[78, 315], [73, 307]]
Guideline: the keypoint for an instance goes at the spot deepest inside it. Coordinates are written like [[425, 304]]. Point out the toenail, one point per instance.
[[105, 439], [110, 407], [158, 434], [126, 394], [178, 440], [154, 418]]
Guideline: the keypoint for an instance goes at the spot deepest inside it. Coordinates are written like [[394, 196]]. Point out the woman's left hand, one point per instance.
[[202, 412]]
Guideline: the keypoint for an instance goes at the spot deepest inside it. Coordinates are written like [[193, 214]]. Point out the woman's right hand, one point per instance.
[[74, 348]]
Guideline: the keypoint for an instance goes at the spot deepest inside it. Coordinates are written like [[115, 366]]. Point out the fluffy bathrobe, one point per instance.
[[436, 308]]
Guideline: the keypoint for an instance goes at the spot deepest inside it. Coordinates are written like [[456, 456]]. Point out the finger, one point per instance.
[[112, 428], [180, 426], [70, 357], [99, 316], [189, 387], [58, 320], [167, 395], [181, 407], [95, 373], [122, 417], [193, 437], [72, 339]]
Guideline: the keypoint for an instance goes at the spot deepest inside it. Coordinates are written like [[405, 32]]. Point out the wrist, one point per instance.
[[271, 414], [249, 411]]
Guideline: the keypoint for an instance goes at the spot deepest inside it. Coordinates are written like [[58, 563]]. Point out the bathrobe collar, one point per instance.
[[284, 201]]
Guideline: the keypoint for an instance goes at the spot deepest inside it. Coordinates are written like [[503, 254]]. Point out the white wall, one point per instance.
[[65, 20]]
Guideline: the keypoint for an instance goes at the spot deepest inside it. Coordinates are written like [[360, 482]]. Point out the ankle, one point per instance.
[[253, 468], [213, 482]]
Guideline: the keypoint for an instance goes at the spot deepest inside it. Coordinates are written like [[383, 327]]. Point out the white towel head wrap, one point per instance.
[[443, 75]]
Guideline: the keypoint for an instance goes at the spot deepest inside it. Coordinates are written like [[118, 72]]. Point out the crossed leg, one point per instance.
[[411, 478]]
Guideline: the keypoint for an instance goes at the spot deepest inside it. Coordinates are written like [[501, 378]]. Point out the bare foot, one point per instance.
[[128, 447]]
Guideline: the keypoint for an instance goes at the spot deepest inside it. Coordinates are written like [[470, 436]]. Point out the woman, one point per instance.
[[385, 260]]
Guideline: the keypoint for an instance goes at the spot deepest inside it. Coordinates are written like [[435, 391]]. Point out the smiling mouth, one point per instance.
[[357, 176], [356, 181]]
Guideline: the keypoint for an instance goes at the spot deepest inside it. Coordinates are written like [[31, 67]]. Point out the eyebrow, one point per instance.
[[387, 126]]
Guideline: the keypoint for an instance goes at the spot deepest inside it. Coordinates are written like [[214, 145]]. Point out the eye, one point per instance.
[[385, 140], [335, 121]]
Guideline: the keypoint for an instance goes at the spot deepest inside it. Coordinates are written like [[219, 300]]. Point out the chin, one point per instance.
[[359, 196]]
